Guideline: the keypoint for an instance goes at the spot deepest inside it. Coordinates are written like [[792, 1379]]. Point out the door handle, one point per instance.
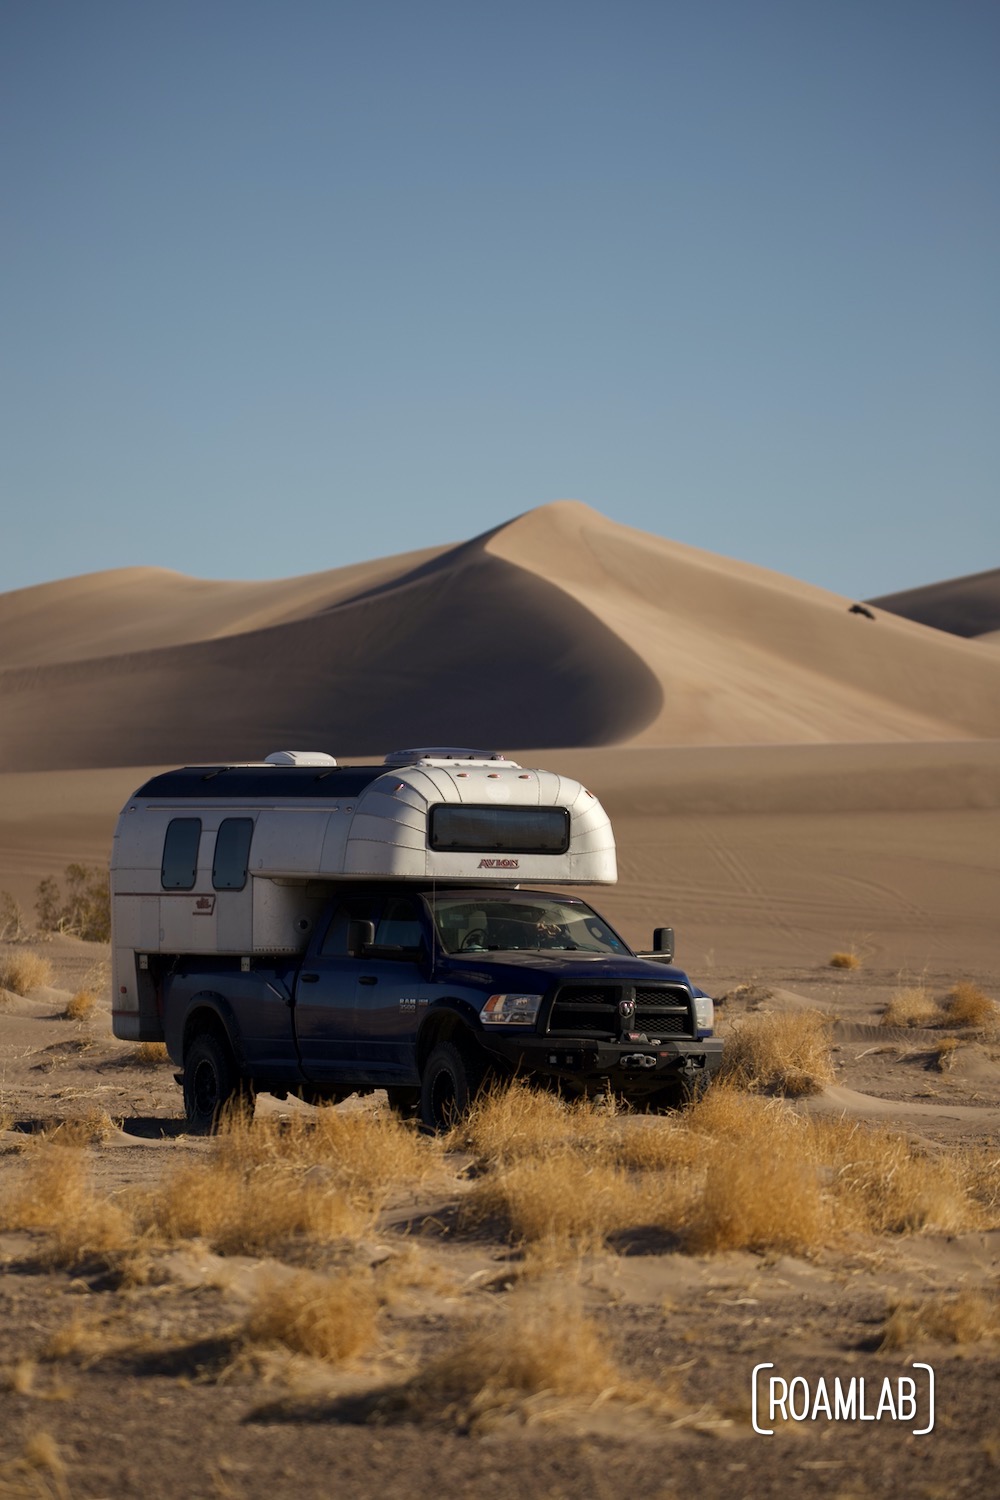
[[368, 979], [309, 978]]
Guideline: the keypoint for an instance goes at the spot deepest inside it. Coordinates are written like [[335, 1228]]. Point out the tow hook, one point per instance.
[[638, 1060]]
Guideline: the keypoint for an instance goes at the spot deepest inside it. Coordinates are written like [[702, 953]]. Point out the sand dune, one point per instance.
[[968, 606], [558, 628]]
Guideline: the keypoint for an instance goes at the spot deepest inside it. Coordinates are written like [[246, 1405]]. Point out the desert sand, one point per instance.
[[787, 779]]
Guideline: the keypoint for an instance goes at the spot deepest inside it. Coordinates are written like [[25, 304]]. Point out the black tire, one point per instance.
[[212, 1084], [404, 1102], [451, 1080]]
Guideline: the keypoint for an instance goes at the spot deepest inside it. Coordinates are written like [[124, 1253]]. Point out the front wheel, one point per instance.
[[404, 1102], [450, 1082], [212, 1083]]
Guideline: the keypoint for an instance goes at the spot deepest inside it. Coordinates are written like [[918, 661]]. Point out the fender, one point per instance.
[[446, 1018], [177, 1016]]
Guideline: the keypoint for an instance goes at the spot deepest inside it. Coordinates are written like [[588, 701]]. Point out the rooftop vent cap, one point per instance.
[[446, 752], [299, 758]]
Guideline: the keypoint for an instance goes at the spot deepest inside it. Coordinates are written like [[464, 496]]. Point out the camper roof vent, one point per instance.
[[299, 758], [446, 752]]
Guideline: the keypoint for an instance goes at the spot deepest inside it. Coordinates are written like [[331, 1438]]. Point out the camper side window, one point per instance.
[[232, 853], [179, 869]]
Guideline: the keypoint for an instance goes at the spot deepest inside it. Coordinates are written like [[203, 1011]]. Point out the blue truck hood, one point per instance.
[[515, 970]]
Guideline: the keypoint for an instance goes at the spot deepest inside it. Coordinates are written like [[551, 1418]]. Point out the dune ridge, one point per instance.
[[556, 628], [967, 606]]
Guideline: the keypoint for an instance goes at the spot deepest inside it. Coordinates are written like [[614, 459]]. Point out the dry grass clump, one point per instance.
[[737, 1170], [883, 1185], [966, 1005], [845, 960], [55, 1194], [149, 1055], [263, 1211], [787, 1053], [512, 1121], [38, 1474], [274, 1184], [763, 1186], [23, 972], [944, 1053], [536, 1354], [912, 1006], [331, 1318], [965, 1318], [760, 1203], [565, 1203], [91, 1129], [81, 1005]]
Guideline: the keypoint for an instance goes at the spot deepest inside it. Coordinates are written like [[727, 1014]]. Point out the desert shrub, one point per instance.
[[39, 1473], [326, 1317], [912, 1006], [23, 972], [944, 1053], [149, 1055], [249, 1213], [561, 1200], [83, 909], [81, 1005], [535, 1351], [760, 1201], [271, 1185], [12, 926], [885, 1186], [55, 1194], [785, 1052], [966, 1005], [91, 1129], [847, 959], [513, 1121], [965, 1318]]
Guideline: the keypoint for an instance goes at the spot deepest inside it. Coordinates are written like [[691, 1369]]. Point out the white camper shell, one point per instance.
[[240, 860]]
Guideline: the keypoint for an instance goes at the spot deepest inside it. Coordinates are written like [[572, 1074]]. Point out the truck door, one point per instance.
[[325, 995], [392, 993]]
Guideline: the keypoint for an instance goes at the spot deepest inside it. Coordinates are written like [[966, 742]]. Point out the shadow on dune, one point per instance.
[[468, 649]]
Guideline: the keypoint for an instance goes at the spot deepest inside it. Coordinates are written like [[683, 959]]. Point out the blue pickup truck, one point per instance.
[[429, 992]]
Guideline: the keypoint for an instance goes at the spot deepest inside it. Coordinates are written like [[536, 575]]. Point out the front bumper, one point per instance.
[[636, 1067]]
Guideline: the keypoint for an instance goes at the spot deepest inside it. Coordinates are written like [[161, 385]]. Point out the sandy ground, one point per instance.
[[142, 1423]]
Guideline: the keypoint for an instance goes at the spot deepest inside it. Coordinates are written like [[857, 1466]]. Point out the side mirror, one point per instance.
[[663, 941], [360, 935]]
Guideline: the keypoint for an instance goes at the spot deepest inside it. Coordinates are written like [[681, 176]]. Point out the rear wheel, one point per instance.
[[212, 1084], [451, 1080]]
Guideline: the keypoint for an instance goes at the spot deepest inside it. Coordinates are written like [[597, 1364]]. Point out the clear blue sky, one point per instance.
[[287, 285]]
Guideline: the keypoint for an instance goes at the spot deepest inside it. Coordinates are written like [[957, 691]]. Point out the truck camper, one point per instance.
[[296, 926]]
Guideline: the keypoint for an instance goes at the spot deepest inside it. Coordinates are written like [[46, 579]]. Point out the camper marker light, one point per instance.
[[510, 1010]]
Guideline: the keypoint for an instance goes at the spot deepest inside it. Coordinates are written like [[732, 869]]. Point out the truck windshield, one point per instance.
[[474, 922]]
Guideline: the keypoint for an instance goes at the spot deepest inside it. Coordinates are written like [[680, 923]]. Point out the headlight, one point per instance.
[[704, 1015], [511, 1010]]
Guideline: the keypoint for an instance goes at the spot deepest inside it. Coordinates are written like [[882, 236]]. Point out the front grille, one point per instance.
[[592, 1011], [664, 1023], [581, 1010], [662, 1010]]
